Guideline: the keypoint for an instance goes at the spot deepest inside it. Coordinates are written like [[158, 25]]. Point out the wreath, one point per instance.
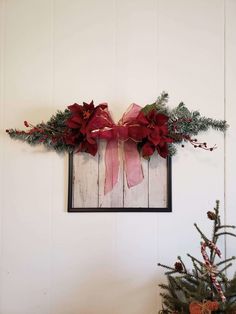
[[141, 132]]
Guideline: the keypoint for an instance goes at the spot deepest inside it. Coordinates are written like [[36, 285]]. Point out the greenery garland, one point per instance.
[[163, 130]]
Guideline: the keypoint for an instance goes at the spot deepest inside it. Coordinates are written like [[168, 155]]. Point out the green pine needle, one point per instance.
[[196, 285]]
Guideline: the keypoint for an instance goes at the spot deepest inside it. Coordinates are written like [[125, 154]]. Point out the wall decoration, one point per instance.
[[81, 199], [141, 132], [206, 288]]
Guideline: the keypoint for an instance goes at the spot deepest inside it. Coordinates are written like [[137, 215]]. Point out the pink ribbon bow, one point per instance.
[[129, 133]]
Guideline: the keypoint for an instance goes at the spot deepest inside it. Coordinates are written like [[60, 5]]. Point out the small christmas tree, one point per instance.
[[205, 288]]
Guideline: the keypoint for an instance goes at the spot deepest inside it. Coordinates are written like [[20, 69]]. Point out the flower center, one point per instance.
[[86, 114], [151, 125]]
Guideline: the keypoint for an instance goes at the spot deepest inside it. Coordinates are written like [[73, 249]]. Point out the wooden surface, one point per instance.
[[89, 176]]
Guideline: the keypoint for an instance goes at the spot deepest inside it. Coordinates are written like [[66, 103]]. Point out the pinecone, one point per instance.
[[178, 267], [211, 215]]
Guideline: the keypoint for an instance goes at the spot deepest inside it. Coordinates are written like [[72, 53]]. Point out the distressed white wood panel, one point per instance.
[[157, 187], [85, 181], [26, 172], [152, 193], [230, 153], [191, 69], [137, 196], [114, 198]]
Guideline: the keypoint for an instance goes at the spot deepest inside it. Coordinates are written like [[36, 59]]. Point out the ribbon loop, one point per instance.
[[126, 131]]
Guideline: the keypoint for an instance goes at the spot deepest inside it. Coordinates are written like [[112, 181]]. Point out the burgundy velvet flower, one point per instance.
[[80, 116], [157, 133], [84, 119]]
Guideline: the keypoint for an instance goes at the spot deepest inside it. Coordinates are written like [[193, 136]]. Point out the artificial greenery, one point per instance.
[[185, 286], [183, 126], [51, 133]]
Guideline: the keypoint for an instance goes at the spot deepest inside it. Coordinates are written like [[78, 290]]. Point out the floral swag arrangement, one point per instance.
[[141, 131]]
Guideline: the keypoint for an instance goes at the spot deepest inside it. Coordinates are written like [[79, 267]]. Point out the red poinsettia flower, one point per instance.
[[84, 119], [157, 133], [80, 116]]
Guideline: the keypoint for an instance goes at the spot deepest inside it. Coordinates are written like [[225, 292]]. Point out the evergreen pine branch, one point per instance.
[[216, 209], [197, 269], [163, 286], [190, 279], [187, 123], [227, 226], [160, 105], [50, 134], [226, 267], [195, 259], [226, 261], [181, 261], [168, 298], [171, 272], [198, 284], [201, 233], [167, 267], [216, 225], [162, 100], [172, 149], [225, 233], [191, 123]]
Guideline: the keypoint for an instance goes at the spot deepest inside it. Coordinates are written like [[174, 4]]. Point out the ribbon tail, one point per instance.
[[133, 167], [112, 165]]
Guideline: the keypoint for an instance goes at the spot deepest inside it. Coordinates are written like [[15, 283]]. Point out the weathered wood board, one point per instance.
[[87, 184]]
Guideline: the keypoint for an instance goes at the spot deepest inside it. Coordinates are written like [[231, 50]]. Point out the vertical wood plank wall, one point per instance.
[[88, 174], [54, 53]]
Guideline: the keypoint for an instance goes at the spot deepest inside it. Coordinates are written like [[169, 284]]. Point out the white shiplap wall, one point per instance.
[[54, 53]]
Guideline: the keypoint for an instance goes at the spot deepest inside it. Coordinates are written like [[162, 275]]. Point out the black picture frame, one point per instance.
[[72, 209]]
